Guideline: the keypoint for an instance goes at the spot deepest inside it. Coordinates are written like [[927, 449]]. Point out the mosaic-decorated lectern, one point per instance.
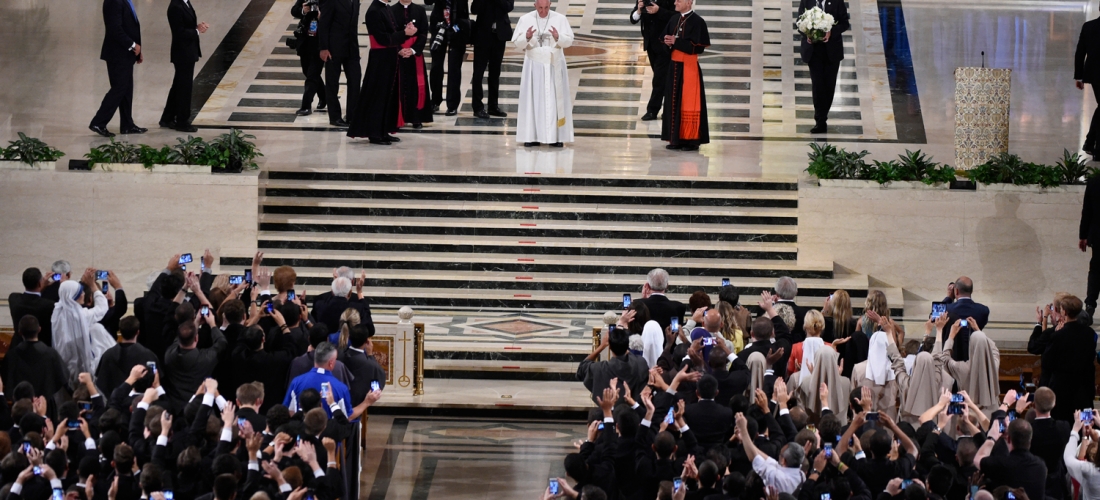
[[982, 96]]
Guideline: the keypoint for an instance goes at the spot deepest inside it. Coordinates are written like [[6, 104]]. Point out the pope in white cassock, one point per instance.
[[545, 106]]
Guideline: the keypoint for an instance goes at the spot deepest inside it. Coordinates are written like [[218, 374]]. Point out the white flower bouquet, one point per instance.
[[814, 24]]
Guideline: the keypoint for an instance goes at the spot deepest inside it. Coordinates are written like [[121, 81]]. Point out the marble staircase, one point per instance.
[[533, 244]]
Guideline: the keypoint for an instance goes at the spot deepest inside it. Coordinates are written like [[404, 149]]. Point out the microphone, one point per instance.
[[983, 59]]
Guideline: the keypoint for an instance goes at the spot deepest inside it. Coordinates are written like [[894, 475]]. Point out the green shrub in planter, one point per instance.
[[1074, 169], [821, 160], [884, 172], [29, 150], [851, 165], [113, 152], [232, 152], [149, 156], [190, 151]]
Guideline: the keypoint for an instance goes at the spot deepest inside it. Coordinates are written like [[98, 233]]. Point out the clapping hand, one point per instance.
[[554, 32]]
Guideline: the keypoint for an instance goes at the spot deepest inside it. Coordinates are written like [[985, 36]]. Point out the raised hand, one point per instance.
[[530, 32]]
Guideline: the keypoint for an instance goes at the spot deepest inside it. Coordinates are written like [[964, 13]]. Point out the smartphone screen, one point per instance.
[[725, 282], [85, 406], [37, 470], [168, 495], [205, 311], [626, 300], [964, 324], [248, 276], [828, 450], [675, 324], [290, 295], [374, 386], [185, 258], [708, 341], [938, 308], [905, 483], [555, 489], [152, 365], [872, 415], [57, 276], [677, 484], [270, 308], [241, 421], [100, 275], [60, 495], [671, 417], [104, 289], [74, 424], [324, 389], [236, 279]]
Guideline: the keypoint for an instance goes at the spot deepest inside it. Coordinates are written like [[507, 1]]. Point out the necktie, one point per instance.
[[132, 9]]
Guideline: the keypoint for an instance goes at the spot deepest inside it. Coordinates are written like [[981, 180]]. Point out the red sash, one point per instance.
[[690, 102]]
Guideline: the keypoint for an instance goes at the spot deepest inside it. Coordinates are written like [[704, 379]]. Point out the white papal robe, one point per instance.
[[545, 104]]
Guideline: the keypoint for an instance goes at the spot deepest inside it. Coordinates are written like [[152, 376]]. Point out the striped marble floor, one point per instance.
[[757, 86]]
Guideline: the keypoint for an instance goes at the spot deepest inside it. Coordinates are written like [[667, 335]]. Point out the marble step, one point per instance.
[[321, 278], [502, 370], [512, 227], [523, 263], [531, 179], [541, 246], [521, 211], [511, 193]]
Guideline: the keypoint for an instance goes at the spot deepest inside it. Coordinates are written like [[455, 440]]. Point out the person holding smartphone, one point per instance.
[[31, 302], [661, 308], [597, 374], [359, 358]]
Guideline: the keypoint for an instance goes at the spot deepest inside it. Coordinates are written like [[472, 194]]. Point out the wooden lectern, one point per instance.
[[982, 97]]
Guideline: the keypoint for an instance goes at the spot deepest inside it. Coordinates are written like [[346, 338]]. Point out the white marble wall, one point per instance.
[[126, 222], [1019, 247]]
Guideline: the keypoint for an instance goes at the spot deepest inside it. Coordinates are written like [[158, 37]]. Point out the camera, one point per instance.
[[437, 39]]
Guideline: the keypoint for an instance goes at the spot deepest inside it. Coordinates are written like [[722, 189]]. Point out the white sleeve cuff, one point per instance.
[[89, 444], [608, 420], [646, 423], [684, 429], [319, 473], [861, 455], [56, 484], [208, 399], [635, 16], [769, 372], [285, 488], [16, 489], [731, 357], [823, 408], [635, 407], [670, 391], [96, 395], [332, 408], [784, 411], [160, 391], [192, 398], [162, 440], [51, 445], [143, 406], [227, 435], [221, 402], [253, 465]]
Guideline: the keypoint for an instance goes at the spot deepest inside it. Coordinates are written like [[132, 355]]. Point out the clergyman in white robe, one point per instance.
[[545, 106]]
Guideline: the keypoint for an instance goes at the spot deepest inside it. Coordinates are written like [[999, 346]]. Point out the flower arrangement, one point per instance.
[[814, 24]]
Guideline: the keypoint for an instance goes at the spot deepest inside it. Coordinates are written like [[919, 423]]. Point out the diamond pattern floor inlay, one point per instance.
[[756, 84]]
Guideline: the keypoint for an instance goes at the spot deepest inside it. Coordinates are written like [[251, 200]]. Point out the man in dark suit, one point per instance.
[[661, 309], [824, 58], [491, 30], [786, 290], [453, 16], [1049, 440], [1009, 461], [251, 362], [359, 358], [31, 302], [35, 362], [1089, 234], [964, 307], [1086, 69], [711, 422], [60, 271], [116, 362], [186, 28], [328, 306], [654, 16], [338, 39], [121, 49]]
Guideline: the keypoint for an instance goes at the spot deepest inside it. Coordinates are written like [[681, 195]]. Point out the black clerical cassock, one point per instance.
[[376, 114], [412, 76], [684, 123]]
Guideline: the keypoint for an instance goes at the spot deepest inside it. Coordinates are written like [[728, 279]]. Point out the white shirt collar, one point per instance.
[[33, 293], [688, 13], [357, 350]]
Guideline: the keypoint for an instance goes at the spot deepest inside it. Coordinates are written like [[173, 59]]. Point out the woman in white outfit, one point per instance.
[[77, 335], [1085, 472]]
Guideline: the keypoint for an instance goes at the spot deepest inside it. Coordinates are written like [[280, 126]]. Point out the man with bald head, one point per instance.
[[964, 307]]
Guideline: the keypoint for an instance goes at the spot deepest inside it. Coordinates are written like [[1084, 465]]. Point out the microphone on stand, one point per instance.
[[983, 59]]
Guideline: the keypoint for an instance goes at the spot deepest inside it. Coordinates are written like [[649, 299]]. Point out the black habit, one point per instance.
[[412, 76], [684, 122], [376, 114]]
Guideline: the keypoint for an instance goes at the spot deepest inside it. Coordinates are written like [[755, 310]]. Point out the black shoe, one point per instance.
[[648, 117], [435, 108], [322, 106], [304, 112], [339, 123], [418, 126], [674, 146], [187, 128], [451, 112], [497, 112], [138, 130], [557, 145], [484, 115], [531, 144], [819, 129], [391, 138], [100, 130], [381, 142], [167, 124], [690, 147]]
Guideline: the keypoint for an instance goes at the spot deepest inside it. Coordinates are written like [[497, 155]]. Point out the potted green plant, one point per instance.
[[119, 156], [28, 152], [232, 152]]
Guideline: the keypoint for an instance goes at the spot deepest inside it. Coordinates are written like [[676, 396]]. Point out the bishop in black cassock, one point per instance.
[[376, 113], [684, 123], [412, 76]]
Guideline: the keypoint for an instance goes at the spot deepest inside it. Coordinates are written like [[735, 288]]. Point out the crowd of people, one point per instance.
[[701, 401], [218, 387]]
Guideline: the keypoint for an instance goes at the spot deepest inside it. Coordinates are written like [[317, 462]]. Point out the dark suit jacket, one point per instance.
[[365, 369], [662, 310], [327, 309], [338, 28], [653, 25], [23, 304], [1090, 208], [731, 384], [835, 46], [122, 31], [38, 364], [114, 314], [1048, 442], [962, 308], [712, 423], [1086, 60], [460, 10], [116, 362], [490, 12], [182, 20], [1070, 364]]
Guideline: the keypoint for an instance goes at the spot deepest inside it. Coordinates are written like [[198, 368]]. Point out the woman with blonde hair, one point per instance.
[[851, 343], [348, 319], [734, 321], [801, 363]]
